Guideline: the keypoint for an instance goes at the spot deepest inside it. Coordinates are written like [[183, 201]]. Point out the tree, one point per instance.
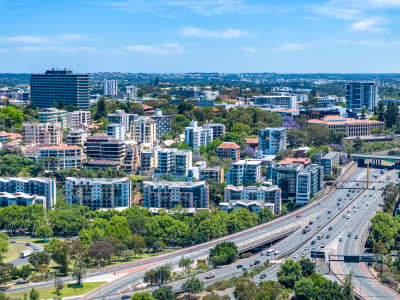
[[307, 267], [363, 113], [265, 215], [245, 289], [289, 273], [100, 251], [150, 277], [185, 263], [163, 273], [184, 106], [25, 272], [3, 245], [44, 231], [193, 286], [348, 287], [136, 243], [34, 294], [381, 111], [118, 227], [164, 293], [58, 286], [79, 270], [39, 258], [304, 289], [358, 143], [101, 109], [391, 114], [223, 253], [143, 296], [6, 272]]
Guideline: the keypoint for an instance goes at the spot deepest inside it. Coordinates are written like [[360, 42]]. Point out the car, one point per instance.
[[239, 266], [28, 244], [340, 239], [330, 228], [318, 218], [262, 276], [277, 252], [337, 204], [251, 264], [340, 199], [328, 236], [125, 297], [349, 234], [305, 248], [356, 237], [12, 241], [256, 262], [297, 216], [323, 245], [210, 275], [295, 256], [244, 269], [311, 222], [312, 242], [303, 255]]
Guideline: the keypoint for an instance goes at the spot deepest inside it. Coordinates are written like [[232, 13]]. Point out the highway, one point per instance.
[[317, 213], [23, 261]]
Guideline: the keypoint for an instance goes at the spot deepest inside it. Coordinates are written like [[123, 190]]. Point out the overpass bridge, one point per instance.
[[375, 160]]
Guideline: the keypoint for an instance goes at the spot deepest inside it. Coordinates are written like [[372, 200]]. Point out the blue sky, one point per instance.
[[302, 36]]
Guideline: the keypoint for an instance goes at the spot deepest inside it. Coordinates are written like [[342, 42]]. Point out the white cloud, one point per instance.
[[27, 39], [57, 49], [370, 43], [216, 34], [330, 9], [3, 50], [59, 39], [368, 24], [290, 47], [216, 7], [249, 50], [164, 49]]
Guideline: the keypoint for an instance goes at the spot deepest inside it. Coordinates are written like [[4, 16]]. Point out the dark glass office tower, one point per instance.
[[55, 86]]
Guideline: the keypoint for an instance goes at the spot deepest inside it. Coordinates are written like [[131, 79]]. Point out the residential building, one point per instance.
[[122, 118], [330, 100], [305, 161], [217, 129], [216, 174], [196, 136], [330, 161], [42, 133], [149, 161], [360, 94], [132, 159], [163, 194], [21, 199], [116, 130], [57, 87], [78, 118], [111, 87], [174, 162], [45, 187], [298, 184], [253, 206], [272, 140], [245, 172], [61, 157], [98, 193], [53, 115], [101, 146], [163, 123], [143, 131], [77, 137], [9, 136], [275, 101], [349, 126], [229, 150], [262, 194], [131, 92]]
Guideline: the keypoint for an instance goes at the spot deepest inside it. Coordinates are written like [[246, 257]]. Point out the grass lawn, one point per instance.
[[13, 252], [69, 290]]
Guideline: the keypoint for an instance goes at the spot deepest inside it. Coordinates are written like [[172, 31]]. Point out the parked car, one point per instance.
[[210, 275]]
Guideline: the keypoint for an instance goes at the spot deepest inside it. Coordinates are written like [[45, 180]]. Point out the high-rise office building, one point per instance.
[[57, 87], [271, 140], [360, 94], [111, 87]]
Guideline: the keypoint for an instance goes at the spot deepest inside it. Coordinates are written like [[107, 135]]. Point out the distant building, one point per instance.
[[98, 193], [22, 199], [61, 157], [42, 133], [101, 146], [132, 159], [272, 140], [196, 136], [349, 126], [245, 172], [77, 137], [260, 194], [122, 118], [218, 130], [216, 174], [305, 161], [131, 92], [111, 87], [53, 115], [163, 123], [329, 161], [78, 118], [229, 150], [171, 194], [275, 101], [116, 130], [361, 94], [45, 187], [143, 130], [173, 162], [330, 100], [309, 183], [60, 87], [149, 161]]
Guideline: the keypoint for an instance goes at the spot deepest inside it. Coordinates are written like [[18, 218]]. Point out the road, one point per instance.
[[23, 261], [319, 212]]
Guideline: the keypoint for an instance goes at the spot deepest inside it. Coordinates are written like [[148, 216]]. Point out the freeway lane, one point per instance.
[[307, 214]]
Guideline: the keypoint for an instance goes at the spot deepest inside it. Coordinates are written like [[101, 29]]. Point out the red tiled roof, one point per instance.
[[228, 145], [251, 140], [61, 147], [291, 160]]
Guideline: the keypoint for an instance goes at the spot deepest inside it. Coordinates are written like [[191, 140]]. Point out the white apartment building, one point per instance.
[[38, 134], [143, 131], [78, 118], [111, 87], [196, 136]]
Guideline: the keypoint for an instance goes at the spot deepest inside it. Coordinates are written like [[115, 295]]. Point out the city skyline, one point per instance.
[[176, 36]]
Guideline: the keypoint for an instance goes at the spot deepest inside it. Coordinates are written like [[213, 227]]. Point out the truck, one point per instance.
[[25, 253]]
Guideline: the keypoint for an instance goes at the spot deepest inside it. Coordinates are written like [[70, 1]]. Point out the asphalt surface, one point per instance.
[[23, 261]]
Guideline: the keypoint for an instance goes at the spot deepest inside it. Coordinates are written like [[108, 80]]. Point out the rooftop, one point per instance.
[[330, 155], [61, 147], [228, 145], [295, 160], [331, 120], [251, 140]]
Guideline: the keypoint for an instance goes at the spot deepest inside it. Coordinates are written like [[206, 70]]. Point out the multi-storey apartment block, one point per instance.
[[229, 150], [42, 133], [143, 131], [271, 140], [245, 172], [61, 157], [163, 123], [174, 162], [101, 146], [78, 118]]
